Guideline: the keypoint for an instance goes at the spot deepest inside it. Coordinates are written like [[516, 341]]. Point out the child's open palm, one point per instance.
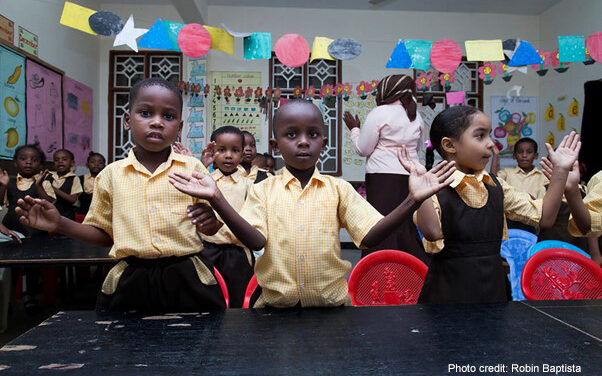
[[38, 213], [198, 185], [208, 155], [422, 183], [567, 152], [4, 179], [572, 181]]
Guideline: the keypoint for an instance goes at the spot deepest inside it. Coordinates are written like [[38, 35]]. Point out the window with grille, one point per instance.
[[126, 68], [317, 73]]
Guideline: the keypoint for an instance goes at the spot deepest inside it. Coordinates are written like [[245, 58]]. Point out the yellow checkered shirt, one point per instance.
[[143, 213], [302, 260], [593, 203], [89, 183], [76, 187], [534, 182], [518, 205]]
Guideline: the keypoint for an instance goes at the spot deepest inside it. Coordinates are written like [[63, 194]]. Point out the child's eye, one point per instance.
[[313, 134], [144, 113], [169, 117], [291, 134]]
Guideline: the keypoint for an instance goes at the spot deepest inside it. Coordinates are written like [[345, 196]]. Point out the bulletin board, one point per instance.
[[194, 132], [13, 128], [511, 119]]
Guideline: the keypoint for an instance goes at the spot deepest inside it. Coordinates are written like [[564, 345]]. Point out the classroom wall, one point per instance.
[[74, 52], [378, 31], [567, 18]]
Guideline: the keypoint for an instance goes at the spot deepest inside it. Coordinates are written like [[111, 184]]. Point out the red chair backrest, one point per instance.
[[80, 218], [387, 277], [251, 287], [222, 285], [561, 274]]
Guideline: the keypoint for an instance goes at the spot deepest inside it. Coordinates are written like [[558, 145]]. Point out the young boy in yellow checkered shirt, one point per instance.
[[147, 222], [297, 216]]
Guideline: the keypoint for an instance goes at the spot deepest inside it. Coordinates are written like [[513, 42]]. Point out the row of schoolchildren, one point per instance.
[[296, 215]]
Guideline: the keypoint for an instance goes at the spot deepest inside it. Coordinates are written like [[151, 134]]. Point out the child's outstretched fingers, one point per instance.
[[445, 170], [546, 167]]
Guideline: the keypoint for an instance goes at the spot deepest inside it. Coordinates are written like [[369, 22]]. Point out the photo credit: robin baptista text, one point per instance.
[[513, 368]]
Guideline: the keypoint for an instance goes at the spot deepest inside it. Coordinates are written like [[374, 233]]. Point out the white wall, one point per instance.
[[566, 18], [72, 51], [378, 31]]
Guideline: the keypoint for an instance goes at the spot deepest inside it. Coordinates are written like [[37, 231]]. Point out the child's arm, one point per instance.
[[594, 249], [42, 215], [12, 234], [204, 218], [4, 180], [422, 185], [204, 187], [563, 159], [40, 182], [495, 161]]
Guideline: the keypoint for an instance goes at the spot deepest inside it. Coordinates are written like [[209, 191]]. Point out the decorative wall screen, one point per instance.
[[126, 69], [317, 73]]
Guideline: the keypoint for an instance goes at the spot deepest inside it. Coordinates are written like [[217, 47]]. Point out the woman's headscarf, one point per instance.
[[398, 87]]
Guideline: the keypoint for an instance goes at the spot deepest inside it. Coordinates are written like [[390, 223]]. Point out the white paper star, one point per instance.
[[129, 34]]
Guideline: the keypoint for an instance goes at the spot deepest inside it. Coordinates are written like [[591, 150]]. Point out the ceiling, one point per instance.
[[527, 7]]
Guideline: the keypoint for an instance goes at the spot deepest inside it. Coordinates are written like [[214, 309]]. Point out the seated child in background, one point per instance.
[[525, 177], [270, 163], [147, 222], [297, 216], [248, 156], [464, 224], [234, 263], [30, 181], [65, 183], [262, 173], [96, 163]]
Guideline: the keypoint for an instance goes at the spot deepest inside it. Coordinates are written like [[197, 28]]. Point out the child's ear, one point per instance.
[[126, 121], [274, 145], [448, 145]]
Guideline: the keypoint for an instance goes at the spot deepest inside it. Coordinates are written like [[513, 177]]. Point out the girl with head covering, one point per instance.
[[393, 123]]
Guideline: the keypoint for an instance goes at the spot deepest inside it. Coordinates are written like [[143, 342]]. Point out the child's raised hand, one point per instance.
[[181, 149], [422, 183], [546, 167], [198, 185], [350, 121], [40, 176], [4, 179], [38, 213], [208, 155], [567, 152]]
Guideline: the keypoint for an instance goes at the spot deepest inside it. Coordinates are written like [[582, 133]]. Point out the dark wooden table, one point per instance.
[[52, 250], [404, 340]]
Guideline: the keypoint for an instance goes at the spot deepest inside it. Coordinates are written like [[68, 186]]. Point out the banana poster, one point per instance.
[[44, 108], [513, 118], [12, 105]]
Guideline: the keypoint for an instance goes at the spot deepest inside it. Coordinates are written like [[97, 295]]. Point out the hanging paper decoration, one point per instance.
[[248, 94], [206, 90], [363, 89], [221, 40], [588, 58], [268, 93], [420, 53], [484, 50], [503, 70], [374, 84], [346, 91], [227, 93], [129, 34], [276, 94], [423, 81], [173, 29], [558, 65], [487, 73], [297, 92], [550, 140], [574, 108], [400, 58], [156, 37], [106, 23], [235, 34], [258, 94], [561, 123], [571, 48], [550, 112], [510, 46], [338, 89], [319, 49], [455, 97], [541, 68], [446, 56], [194, 40], [258, 46], [594, 46], [327, 91], [218, 92], [238, 93], [525, 54], [310, 92], [292, 50], [446, 79], [345, 49], [76, 16]]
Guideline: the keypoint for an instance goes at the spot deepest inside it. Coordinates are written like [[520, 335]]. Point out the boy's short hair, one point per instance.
[[523, 140], [269, 156], [276, 118], [95, 154], [155, 81], [244, 133], [228, 129], [34, 147], [71, 155]]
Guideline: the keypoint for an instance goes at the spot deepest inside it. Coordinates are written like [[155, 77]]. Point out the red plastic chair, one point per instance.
[[222, 285], [561, 274], [80, 218], [387, 277], [251, 287]]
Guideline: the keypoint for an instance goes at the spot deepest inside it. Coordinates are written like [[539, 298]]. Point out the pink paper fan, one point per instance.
[[446, 56], [594, 46], [194, 40], [292, 50]]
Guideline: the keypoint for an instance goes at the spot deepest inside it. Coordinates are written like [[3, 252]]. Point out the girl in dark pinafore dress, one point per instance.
[[464, 224]]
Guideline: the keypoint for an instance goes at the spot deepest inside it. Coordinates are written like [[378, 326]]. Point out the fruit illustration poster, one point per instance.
[[236, 106], [44, 108], [12, 110], [512, 118], [78, 119]]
